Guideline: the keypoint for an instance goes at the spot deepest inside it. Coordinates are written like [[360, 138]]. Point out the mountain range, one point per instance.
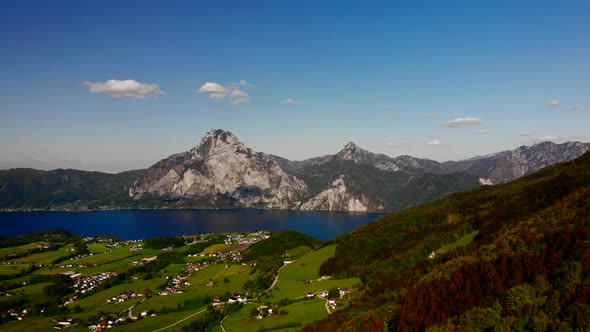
[[221, 172]]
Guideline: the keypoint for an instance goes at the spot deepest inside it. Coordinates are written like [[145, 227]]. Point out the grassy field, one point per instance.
[[12, 268], [302, 276], [292, 289], [216, 247], [18, 249], [173, 270], [97, 248], [32, 293], [30, 290], [118, 260], [119, 266], [297, 251], [463, 241], [97, 302], [44, 257], [195, 259], [100, 259], [236, 275], [308, 266], [161, 321], [33, 324], [158, 302], [216, 328], [302, 312]]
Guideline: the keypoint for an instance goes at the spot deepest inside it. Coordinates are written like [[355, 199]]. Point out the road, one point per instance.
[[277, 278], [180, 321], [221, 323], [327, 307]]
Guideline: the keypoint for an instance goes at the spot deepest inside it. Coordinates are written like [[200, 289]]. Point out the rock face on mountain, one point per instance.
[[509, 165], [338, 196], [220, 165], [376, 181]]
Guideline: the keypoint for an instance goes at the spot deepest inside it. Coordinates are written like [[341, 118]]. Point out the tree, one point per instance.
[[334, 293]]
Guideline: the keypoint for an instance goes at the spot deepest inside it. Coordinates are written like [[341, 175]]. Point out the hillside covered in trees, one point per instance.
[[508, 257]]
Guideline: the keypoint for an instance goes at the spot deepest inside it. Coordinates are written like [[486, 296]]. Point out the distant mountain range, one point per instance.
[[220, 172]]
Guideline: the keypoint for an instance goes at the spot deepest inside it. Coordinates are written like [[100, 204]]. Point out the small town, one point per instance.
[[152, 279]]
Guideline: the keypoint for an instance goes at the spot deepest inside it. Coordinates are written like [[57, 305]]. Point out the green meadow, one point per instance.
[[181, 319], [302, 276], [18, 249], [297, 315], [226, 279], [44, 257], [97, 248], [297, 251], [10, 269], [463, 241]]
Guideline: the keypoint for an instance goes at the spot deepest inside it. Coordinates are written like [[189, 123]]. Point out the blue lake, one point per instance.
[[136, 224]]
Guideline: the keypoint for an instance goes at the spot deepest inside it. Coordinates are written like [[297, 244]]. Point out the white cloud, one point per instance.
[[233, 92], [239, 101], [124, 88], [217, 96], [210, 87], [461, 122], [483, 131], [547, 138], [238, 93], [526, 134], [435, 143], [553, 103], [290, 101]]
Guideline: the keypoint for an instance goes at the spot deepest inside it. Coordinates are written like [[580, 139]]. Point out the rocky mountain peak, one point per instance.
[[219, 136], [352, 152], [221, 167], [215, 141], [359, 155], [350, 146]]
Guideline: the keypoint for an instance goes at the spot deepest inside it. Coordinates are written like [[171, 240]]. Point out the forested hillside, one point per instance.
[[25, 188], [509, 257]]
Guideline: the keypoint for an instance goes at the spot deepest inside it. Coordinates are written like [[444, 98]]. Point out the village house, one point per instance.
[[343, 291], [332, 303], [144, 260]]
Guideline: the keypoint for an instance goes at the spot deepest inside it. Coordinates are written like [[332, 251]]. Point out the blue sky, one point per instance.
[[114, 86]]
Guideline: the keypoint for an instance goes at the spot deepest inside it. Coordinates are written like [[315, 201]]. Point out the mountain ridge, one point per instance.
[[221, 172]]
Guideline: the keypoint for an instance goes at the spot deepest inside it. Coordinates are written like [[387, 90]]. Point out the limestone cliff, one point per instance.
[[221, 165]]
